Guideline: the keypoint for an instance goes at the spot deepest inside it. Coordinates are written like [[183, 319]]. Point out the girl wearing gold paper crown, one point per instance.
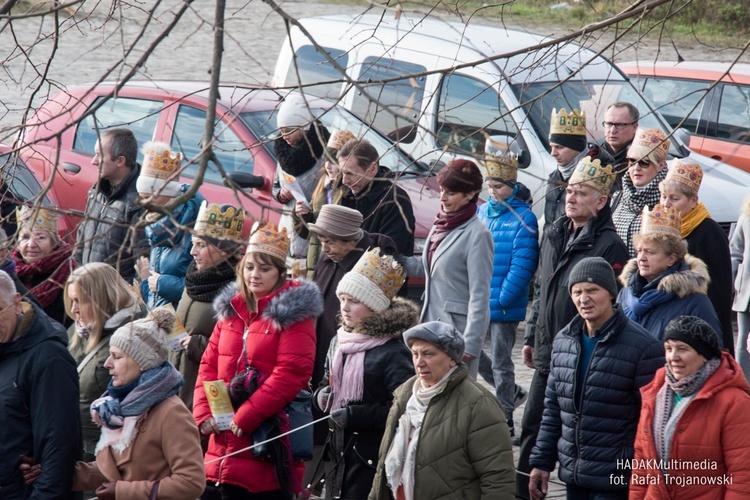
[[265, 333], [664, 281], [43, 261], [367, 361], [163, 273], [216, 245]]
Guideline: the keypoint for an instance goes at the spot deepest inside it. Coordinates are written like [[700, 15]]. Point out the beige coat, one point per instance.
[[166, 448]]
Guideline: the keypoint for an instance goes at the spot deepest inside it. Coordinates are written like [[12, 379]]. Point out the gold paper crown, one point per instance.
[[267, 239], [158, 161], [567, 124], [37, 219], [499, 162], [592, 173], [339, 138], [215, 223], [661, 219], [647, 140], [689, 174], [382, 270]]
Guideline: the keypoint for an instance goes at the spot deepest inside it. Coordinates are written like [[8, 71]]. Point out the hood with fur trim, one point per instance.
[[401, 315], [691, 278], [293, 302]]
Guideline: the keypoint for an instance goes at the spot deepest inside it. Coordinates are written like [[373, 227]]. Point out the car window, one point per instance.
[[187, 138], [19, 179], [139, 115], [468, 112], [396, 99], [734, 113], [314, 67], [675, 99], [263, 125]]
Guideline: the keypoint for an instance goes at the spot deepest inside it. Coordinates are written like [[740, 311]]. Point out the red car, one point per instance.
[[58, 143], [713, 99]]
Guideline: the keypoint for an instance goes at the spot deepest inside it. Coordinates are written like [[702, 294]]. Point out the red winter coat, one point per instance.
[[280, 342], [715, 428]]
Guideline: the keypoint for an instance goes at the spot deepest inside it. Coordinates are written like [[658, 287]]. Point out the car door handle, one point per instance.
[[717, 157], [71, 168]]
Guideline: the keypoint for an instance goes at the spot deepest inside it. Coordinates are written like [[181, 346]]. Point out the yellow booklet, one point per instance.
[[218, 401], [178, 332]]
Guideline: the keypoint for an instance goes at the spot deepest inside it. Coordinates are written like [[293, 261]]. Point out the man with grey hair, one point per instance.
[[39, 397]]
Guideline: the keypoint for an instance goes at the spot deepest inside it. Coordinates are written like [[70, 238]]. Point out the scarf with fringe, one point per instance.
[[348, 379], [119, 409], [694, 218], [400, 460], [671, 402]]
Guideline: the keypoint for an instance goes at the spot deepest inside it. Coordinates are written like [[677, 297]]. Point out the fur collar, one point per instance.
[[293, 302], [694, 279], [401, 315]]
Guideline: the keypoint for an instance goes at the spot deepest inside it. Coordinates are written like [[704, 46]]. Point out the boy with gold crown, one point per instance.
[[163, 273], [367, 361], [515, 235], [663, 281], [568, 146]]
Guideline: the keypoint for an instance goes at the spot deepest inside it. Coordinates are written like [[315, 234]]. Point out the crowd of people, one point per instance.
[[199, 362]]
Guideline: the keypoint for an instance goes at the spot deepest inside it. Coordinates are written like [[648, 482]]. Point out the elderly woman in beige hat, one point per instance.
[[680, 190], [647, 167]]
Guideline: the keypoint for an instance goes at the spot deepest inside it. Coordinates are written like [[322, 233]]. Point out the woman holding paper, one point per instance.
[[99, 302], [266, 324], [217, 239], [149, 445]]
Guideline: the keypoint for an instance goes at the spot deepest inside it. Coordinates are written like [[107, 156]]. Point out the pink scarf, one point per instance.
[[348, 379]]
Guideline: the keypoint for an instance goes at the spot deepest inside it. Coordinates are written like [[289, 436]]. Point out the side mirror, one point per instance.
[[518, 146], [244, 180], [683, 135]]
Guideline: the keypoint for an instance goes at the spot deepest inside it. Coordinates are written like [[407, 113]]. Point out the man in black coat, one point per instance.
[[600, 360], [39, 396], [585, 231]]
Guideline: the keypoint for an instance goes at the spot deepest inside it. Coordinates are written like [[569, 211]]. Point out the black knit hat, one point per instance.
[[574, 142], [696, 333], [594, 270]]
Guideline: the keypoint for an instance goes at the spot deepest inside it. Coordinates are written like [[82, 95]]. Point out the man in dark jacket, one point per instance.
[[600, 360], [585, 231], [39, 398], [108, 232], [568, 146], [620, 124], [372, 191]]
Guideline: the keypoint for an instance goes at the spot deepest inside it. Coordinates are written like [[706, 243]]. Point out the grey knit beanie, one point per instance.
[[446, 337], [696, 333], [594, 270], [145, 340]]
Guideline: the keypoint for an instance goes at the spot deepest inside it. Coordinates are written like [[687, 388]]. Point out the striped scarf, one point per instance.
[[671, 402], [626, 214]]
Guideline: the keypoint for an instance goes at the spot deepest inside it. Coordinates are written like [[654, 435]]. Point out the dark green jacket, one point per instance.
[[464, 448]]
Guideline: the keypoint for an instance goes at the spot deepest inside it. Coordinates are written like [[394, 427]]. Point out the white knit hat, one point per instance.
[[159, 170], [145, 340], [293, 112], [374, 280]]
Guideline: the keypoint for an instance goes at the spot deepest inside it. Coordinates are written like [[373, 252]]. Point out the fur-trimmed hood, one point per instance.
[[293, 302], [691, 277], [401, 315]]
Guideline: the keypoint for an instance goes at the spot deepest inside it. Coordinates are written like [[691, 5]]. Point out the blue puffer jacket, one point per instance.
[[680, 290], [588, 439], [170, 252], [515, 237]]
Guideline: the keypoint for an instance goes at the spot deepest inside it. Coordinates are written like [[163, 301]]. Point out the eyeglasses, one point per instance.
[[616, 126], [643, 163]]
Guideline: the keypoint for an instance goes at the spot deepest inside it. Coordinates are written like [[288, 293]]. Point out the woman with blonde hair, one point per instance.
[[99, 301]]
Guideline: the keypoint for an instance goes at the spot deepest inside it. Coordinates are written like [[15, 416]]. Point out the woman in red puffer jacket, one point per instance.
[[276, 319]]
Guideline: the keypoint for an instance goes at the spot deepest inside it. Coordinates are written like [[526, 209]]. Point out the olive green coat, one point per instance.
[[464, 448]]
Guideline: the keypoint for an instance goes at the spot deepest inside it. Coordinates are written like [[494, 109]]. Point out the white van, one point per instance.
[[438, 88]]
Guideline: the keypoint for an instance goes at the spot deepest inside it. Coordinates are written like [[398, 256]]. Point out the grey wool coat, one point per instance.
[[457, 284]]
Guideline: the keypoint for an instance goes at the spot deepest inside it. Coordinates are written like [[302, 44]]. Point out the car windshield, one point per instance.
[[592, 97], [263, 125]]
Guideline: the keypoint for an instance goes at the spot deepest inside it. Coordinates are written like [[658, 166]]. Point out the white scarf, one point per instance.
[[401, 457]]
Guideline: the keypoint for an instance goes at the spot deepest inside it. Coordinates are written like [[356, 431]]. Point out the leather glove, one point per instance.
[[340, 417], [324, 398]]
